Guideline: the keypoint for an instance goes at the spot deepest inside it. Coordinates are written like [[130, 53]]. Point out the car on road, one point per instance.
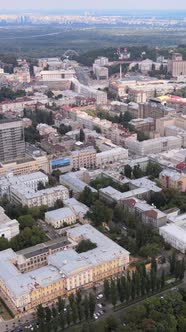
[[99, 296]]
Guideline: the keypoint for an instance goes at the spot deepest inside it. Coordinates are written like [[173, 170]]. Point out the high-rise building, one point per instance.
[[12, 142]]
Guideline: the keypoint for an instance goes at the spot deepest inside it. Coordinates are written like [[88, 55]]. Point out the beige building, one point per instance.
[[60, 217], [25, 166], [172, 179], [85, 158]]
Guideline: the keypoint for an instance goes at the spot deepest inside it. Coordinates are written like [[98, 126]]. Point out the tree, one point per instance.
[[153, 169], [128, 171], [26, 221], [60, 304], [86, 307], [40, 186], [40, 314], [111, 324], [81, 135], [68, 315], [54, 311], [100, 213], [87, 197], [92, 304], [172, 261], [62, 320], [50, 94], [48, 314], [106, 289], [74, 312], [113, 291], [85, 245], [4, 243], [162, 279], [141, 136], [137, 172]]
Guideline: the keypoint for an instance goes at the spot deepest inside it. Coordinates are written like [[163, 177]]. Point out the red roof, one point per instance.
[[130, 202], [151, 214], [181, 166]]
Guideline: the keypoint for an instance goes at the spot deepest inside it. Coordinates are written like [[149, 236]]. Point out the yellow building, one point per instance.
[[64, 271], [25, 166]]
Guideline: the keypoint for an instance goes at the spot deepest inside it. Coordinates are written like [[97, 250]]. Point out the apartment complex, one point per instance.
[[12, 142], [66, 270]]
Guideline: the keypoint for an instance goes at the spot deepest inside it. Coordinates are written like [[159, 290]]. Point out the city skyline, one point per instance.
[[96, 5]]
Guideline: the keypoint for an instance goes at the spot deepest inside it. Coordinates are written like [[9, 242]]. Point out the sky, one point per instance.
[[92, 4]]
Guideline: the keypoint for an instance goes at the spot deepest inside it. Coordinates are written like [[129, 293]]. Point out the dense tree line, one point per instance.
[[7, 93], [153, 170], [103, 182], [39, 116], [169, 198], [63, 315], [135, 285]]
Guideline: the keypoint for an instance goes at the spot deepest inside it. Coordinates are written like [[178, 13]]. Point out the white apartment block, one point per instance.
[[153, 146], [105, 158], [174, 233], [56, 75], [31, 181], [60, 217], [8, 228], [24, 190], [31, 198]]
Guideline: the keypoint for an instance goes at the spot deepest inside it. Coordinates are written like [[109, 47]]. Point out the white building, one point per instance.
[[155, 145], [31, 181], [56, 75], [28, 197], [60, 217], [105, 158], [79, 209], [8, 228], [175, 233]]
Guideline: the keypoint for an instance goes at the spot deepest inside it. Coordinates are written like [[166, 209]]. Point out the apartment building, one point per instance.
[[153, 146], [60, 217], [172, 179], [111, 156], [177, 66], [56, 75], [147, 214], [174, 233], [28, 197], [66, 270], [111, 195], [25, 165], [12, 142], [85, 158]]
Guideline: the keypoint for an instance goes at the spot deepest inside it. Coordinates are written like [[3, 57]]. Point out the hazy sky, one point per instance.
[[92, 4]]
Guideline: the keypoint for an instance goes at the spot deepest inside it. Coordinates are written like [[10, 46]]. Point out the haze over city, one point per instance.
[[93, 5]]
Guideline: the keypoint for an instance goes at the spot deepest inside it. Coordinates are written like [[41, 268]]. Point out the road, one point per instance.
[[82, 76], [48, 230]]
